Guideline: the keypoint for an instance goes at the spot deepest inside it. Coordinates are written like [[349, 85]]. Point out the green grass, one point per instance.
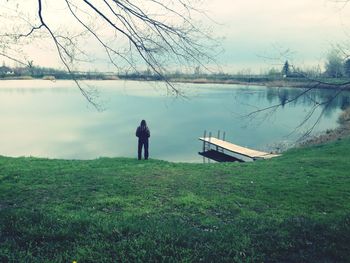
[[295, 208]]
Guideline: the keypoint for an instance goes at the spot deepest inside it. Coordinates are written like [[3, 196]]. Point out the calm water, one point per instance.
[[52, 119]]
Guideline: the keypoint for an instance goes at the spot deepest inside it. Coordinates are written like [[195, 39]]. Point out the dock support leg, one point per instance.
[[209, 145], [204, 144]]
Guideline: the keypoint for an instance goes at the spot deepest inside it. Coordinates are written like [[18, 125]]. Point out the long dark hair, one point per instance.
[[143, 124]]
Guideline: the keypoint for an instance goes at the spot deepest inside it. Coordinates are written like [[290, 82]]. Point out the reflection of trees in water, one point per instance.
[[345, 102], [270, 95], [318, 103], [283, 96], [311, 98]]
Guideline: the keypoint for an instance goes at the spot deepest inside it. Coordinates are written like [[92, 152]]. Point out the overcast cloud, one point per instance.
[[251, 31], [254, 29]]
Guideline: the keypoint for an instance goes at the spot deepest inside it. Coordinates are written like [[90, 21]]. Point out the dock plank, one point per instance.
[[254, 154]]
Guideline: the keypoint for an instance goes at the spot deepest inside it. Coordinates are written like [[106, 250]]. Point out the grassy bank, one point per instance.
[[295, 208]]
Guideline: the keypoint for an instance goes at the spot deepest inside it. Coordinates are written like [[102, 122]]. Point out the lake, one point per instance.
[[52, 119]]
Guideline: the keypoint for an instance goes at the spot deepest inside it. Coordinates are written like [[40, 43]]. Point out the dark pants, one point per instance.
[[142, 143]]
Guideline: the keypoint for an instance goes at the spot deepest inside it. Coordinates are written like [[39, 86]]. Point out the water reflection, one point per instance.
[[328, 101], [298, 97], [52, 119]]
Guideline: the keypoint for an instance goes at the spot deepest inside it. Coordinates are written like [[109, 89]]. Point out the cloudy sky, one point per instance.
[[253, 34], [257, 31]]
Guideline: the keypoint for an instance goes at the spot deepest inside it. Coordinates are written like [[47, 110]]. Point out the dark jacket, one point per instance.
[[143, 133]]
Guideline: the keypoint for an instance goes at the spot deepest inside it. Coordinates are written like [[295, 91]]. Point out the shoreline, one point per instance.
[[269, 84], [338, 133]]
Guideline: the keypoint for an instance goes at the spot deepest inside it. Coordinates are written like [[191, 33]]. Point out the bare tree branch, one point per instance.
[[149, 39], [313, 84]]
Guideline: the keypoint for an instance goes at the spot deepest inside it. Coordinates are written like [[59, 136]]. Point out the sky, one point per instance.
[[256, 32], [253, 35]]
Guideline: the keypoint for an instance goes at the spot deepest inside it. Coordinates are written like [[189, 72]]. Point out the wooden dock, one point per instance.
[[221, 145], [219, 156]]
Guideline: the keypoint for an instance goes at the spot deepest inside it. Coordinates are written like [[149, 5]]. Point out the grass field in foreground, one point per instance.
[[295, 208]]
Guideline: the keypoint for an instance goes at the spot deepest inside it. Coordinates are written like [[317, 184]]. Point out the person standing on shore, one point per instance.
[[143, 133]]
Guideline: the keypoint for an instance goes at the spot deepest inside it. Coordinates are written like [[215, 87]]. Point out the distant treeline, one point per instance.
[[43, 72], [333, 73]]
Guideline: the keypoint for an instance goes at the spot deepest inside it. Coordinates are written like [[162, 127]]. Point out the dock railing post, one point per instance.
[[217, 147], [223, 138], [209, 145], [204, 143]]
